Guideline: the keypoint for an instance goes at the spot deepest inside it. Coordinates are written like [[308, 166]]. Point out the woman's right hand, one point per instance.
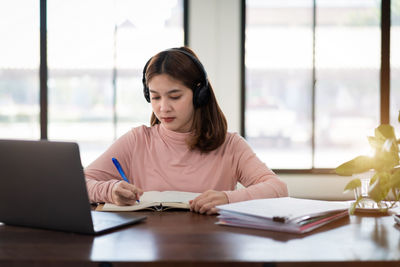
[[125, 194]]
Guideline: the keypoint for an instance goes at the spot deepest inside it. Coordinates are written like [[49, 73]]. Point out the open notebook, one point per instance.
[[155, 200]]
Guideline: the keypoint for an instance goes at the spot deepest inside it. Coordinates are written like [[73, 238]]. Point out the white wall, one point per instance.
[[318, 186], [214, 34]]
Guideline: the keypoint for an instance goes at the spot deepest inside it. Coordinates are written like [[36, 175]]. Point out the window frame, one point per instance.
[[385, 24]]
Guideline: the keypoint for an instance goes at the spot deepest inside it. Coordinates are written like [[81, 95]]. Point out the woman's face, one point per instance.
[[172, 103]]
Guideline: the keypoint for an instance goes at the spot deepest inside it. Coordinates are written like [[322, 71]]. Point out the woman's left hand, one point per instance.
[[206, 202]]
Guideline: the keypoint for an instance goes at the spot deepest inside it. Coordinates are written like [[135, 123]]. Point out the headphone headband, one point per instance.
[[201, 92]]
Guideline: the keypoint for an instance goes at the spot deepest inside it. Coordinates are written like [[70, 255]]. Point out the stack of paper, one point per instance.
[[286, 214]]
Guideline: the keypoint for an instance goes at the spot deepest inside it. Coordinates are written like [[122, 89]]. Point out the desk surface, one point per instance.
[[180, 238]]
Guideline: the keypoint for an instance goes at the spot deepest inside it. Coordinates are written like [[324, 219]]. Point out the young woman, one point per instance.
[[186, 148]]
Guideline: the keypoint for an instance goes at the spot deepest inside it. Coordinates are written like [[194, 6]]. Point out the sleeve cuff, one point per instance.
[[237, 195]]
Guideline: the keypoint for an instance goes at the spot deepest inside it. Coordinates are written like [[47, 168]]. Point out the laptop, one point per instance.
[[42, 185]]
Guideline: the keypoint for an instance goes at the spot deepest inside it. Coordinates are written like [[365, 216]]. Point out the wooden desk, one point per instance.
[[185, 238]]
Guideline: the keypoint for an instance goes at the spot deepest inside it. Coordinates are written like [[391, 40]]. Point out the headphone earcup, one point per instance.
[[201, 96], [146, 93]]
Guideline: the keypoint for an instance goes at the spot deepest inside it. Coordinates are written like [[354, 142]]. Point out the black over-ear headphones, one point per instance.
[[201, 92]]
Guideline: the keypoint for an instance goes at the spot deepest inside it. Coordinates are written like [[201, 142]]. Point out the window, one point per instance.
[[279, 53], [291, 122], [95, 61], [96, 50], [347, 63], [19, 69]]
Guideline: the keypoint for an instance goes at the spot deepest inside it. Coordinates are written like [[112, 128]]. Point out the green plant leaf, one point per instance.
[[357, 165], [385, 161], [353, 184], [385, 131], [384, 180], [373, 179], [380, 188], [395, 179], [386, 148], [376, 193], [399, 116], [376, 143], [390, 145]]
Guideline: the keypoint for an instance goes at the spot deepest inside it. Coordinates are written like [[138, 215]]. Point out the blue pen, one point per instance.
[[121, 171]]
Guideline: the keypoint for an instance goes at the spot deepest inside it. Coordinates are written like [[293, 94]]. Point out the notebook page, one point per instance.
[[168, 196]]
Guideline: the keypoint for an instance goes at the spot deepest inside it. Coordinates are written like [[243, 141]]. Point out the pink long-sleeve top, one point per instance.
[[155, 158]]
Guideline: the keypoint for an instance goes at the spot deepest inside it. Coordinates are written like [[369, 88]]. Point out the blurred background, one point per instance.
[[96, 50]]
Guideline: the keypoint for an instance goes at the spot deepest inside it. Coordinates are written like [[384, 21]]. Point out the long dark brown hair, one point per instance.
[[209, 123]]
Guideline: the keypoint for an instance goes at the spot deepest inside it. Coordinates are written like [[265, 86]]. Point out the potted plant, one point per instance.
[[384, 186]]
